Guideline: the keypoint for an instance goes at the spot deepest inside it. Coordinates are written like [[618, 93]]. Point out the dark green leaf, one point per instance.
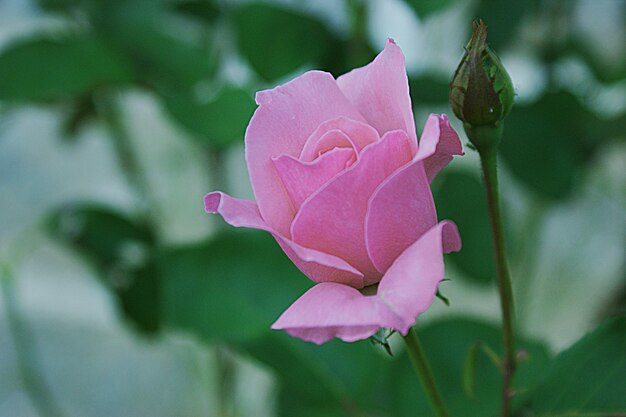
[[217, 123], [205, 10], [162, 58], [231, 288], [49, 69], [446, 344], [122, 250], [461, 197], [502, 19], [588, 379], [547, 143], [429, 90], [277, 41], [424, 8]]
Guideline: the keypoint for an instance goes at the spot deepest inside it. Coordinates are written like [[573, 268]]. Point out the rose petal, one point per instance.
[[438, 143], [380, 91], [332, 220], [407, 289], [301, 179], [318, 266], [287, 116], [410, 284], [334, 310], [399, 212], [358, 135]]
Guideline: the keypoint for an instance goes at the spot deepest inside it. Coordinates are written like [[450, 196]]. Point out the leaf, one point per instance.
[[547, 143], [204, 10], [42, 69], [121, 250], [588, 378], [461, 197], [231, 288], [161, 57], [429, 90], [446, 343], [277, 41], [425, 8], [502, 18], [218, 123]]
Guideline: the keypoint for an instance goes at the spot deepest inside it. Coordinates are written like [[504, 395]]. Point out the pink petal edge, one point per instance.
[[438, 144], [408, 288], [318, 266], [380, 91]]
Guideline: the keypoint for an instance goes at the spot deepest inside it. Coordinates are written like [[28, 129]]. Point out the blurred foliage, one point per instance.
[[230, 288], [122, 251]]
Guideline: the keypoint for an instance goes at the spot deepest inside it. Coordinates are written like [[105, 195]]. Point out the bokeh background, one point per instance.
[[121, 297]]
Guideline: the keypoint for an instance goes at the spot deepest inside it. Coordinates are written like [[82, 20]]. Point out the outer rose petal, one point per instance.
[[287, 116], [318, 266], [399, 212], [301, 179], [380, 91], [332, 220], [438, 143], [410, 284], [407, 289]]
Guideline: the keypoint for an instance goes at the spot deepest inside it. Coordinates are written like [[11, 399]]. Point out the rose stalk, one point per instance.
[[343, 184], [481, 95]]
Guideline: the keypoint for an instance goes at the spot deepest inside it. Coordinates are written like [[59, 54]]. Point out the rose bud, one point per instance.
[[343, 185], [481, 91]]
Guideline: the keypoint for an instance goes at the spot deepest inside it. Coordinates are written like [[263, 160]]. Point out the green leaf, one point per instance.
[[277, 41], [446, 344], [121, 249], [461, 197], [204, 10], [588, 379], [547, 143], [230, 288], [502, 19], [429, 90], [217, 123], [162, 58], [50, 69], [425, 8]]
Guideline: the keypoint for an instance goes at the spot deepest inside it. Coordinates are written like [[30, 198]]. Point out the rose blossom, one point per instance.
[[343, 187]]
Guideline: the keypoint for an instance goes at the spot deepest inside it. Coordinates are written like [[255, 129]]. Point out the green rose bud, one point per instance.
[[481, 91]]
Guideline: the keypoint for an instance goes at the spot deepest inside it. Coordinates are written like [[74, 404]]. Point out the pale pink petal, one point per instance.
[[407, 289], [438, 143], [318, 266], [399, 212], [332, 220], [339, 132], [380, 91], [335, 310], [287, 116], [410, 284], [301, 179]]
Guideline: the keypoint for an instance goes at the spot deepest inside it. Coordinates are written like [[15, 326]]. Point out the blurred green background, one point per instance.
[[121, 297]]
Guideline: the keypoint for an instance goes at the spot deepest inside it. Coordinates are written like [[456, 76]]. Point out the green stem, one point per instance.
[[24, 346], [109, 108], [418, 358], [488, 159]]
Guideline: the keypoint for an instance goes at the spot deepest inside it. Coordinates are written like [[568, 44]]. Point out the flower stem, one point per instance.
[[418, 358], [488, 158]]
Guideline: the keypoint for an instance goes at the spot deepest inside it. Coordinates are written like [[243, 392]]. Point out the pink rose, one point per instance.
[[343, 186]]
